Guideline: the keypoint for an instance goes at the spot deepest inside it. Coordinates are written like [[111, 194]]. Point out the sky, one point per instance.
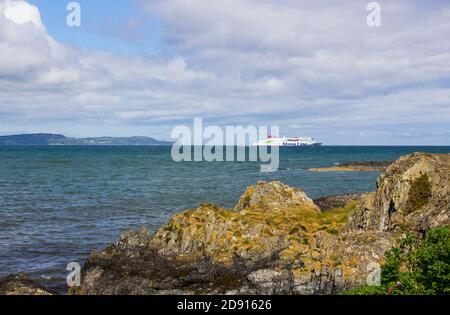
[[313, 68]]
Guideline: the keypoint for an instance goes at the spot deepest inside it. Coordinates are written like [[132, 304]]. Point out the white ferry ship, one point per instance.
[[287, 142]]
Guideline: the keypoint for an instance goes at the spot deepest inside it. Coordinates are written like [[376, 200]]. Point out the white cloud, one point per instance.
[[297, 63], [22, 12]]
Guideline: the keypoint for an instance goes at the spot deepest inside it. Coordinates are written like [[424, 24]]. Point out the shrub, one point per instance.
[[427, 266], [419, 193]]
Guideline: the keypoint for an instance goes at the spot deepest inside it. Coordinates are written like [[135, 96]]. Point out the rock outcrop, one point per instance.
[[337, 201], [378, 166], [275, 240], [21, 285], [413, 195]]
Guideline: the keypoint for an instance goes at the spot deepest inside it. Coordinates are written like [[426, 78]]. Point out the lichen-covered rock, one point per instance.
[[273, 196], [21, 285], [413, 195], [257, 227]]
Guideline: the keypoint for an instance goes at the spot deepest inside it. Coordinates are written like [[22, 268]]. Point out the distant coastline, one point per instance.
[[58, 139]]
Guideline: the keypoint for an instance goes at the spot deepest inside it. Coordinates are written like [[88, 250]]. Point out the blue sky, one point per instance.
[[102, 22], [311, 68]]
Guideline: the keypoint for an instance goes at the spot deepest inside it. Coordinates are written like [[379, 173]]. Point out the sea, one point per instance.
[[60, 203]]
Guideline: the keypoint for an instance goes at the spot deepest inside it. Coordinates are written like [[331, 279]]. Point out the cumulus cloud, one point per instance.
[[310, 66], [43, 80], [21, 12]]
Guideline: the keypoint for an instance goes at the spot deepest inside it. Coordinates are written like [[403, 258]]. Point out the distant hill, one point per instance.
[[55, 139]]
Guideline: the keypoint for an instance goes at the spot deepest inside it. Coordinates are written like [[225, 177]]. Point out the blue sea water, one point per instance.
[[58, 204]]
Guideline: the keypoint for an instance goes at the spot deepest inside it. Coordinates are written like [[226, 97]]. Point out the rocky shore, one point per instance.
[[276, 240], [21, 285], [379, 166]]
